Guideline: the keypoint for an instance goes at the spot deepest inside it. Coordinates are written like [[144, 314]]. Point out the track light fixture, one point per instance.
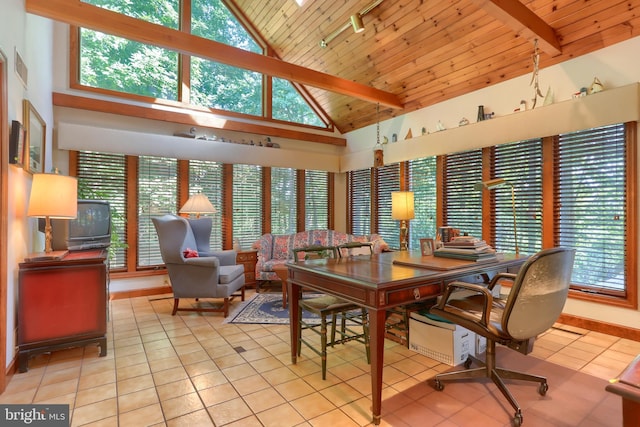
[[355, 21]]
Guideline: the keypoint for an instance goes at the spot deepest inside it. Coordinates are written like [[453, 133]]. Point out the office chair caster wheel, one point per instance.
[[543, 388], [438, 385], [517, 419], [467, 363]]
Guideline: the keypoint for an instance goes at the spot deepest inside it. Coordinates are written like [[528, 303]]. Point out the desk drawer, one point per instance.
[[479, 279], [412, 294]]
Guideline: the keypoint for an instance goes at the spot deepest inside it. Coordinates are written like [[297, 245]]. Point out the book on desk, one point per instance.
[[466, 248]]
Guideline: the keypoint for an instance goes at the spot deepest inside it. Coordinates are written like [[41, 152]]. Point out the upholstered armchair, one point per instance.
[[194, 270]]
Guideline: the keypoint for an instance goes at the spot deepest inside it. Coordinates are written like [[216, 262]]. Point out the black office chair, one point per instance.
[[535, 302], [351, 315]]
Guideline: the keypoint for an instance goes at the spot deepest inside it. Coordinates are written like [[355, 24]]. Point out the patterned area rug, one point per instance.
[[265, 308]]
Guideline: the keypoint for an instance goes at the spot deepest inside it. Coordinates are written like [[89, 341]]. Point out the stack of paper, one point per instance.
[[468, 248]]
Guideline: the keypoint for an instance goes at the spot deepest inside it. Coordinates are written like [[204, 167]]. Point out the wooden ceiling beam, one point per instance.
[[75, 12], [523, 21]]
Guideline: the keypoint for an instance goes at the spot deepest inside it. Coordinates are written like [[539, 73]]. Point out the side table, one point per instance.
[[248, 259], [627, 386]]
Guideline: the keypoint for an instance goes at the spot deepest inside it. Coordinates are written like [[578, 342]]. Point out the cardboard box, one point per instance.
[[442, 341], [481, 345]]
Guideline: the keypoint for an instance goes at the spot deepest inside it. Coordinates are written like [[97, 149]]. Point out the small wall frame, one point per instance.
[[16, 143], [36, 134]]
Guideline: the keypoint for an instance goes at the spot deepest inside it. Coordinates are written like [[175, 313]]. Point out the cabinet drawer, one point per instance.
[[246, 257]]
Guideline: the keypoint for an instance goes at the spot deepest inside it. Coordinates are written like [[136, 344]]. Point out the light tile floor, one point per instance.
[[194, 370]]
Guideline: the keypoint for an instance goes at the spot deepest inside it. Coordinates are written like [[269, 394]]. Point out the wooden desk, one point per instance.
[[378, 283]]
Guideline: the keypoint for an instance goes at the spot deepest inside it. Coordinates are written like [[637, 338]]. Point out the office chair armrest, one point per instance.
[[485, 292], [501, 276]]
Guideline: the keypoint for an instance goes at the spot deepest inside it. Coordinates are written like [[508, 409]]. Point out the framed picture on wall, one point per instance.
[[36, 133], [16, 143], [427, 246]]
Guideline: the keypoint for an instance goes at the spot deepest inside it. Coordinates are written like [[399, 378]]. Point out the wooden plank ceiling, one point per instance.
[[428, 51]]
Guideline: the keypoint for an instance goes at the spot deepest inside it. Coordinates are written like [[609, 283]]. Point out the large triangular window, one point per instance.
[[115, 64]]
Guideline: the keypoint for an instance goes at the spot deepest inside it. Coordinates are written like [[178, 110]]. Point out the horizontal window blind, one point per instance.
[[247, 204], [422, 181], [520, 164], [157, 196], [316, 204], [591, 205], [462, 204], [387, 181], [360, 201], [206, 178], [283, 200], [103, 176]]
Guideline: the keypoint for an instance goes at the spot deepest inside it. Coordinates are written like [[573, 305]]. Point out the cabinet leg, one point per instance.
[[23, 361], [102, 342]]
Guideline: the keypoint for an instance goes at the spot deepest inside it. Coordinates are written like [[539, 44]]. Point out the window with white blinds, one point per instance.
[[520, 164], [157, 195], [283, 200], [247, 204], [316, 204], [387, 181], [102, 176], [206, 178], [360, 201], [591, 202], [422, 181], [462, 204]]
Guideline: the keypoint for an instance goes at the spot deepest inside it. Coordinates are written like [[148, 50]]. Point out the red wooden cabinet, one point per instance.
[[62, 304]]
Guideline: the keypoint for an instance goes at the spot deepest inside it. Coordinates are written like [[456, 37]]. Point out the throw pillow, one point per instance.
[[190, 253]]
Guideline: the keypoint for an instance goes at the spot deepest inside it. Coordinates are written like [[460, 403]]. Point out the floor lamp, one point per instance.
[[499, 182], [402, 208]]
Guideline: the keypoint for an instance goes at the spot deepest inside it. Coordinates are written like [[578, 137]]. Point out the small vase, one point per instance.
[[480, 113]]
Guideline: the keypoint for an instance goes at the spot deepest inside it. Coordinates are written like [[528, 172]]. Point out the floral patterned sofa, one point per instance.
[[276, 249]]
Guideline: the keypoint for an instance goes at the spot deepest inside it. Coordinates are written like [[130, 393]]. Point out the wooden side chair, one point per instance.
[[351, 315]]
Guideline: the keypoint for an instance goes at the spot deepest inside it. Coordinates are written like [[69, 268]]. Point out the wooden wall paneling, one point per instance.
[[266, 200], [227, 206], [132, 213]]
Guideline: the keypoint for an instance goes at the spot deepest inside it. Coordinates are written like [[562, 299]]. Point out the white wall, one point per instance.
[[615, 66], [31, 36]]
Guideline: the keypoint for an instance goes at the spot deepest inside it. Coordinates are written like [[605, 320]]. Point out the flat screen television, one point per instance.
[[91, 229]]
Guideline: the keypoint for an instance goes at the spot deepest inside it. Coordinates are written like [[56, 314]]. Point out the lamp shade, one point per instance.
[[402, 205], [491, 184], [198, 204], [53, 196]]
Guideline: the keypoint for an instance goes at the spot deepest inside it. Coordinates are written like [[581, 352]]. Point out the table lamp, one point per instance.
[[198, 204], [402, 209], [499, 182], [53, 196]]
